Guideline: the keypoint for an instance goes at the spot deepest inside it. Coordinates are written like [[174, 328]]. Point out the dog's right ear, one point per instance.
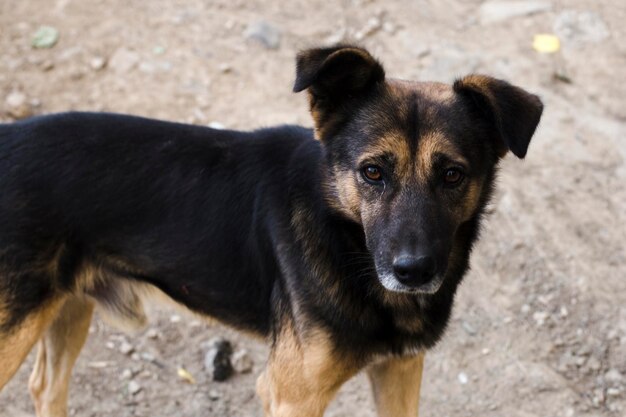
[[333, 76], [336, 71]]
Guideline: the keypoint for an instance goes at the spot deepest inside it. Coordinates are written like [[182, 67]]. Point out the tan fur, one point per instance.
[[429, 145], [396, 384], [15, 345], [58, 349], [396, 144], [303, 375]]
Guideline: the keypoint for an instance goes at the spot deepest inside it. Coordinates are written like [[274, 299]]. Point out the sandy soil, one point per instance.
[[540, 324]]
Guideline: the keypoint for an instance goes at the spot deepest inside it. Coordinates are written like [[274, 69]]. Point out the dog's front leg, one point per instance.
[[396, 384], [302, 376]]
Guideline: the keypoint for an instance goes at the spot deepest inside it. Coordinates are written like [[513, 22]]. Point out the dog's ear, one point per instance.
[[336, 71], [514, 113], [335, 77]]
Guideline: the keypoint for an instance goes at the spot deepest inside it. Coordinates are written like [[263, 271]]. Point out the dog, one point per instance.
[[341, 245]]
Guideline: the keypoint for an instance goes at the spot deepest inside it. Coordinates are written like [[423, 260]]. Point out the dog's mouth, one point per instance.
[[390, 283]]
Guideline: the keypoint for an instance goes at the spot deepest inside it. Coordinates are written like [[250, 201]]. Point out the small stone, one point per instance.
[[126, 348], [216, 125], [17, 105], [598, 397], [525, 309], [97, 63], [225, 68], [110, 345], [175, 318], [47, 65], [468, 328], [389, 27], [217, 360], [580, 27], [540, 317], [126, 374], [594, 364], [336, 37], [463, 379], [45, 37], [613, 392], [264, 33], [485, 351], [214, 395], [613, 375], [133, 388], [242, 362], [152, 334], [498, 11], [123, 60]]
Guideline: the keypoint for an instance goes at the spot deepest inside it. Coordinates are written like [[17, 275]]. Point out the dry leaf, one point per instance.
[[546, 43], [186, 376]]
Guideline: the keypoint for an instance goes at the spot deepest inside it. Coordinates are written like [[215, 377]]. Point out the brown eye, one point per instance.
[[453, 176], [372, 174]]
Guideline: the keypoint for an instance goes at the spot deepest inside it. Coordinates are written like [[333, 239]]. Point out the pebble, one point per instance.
[[214, 395], [123, 60], [498, 11], [373, 25], [175, 318], [594, 364], [217, 360], [126, 374], [47, 65], [216, 125], [126, 348], [540, 317], [225, 68], [97, 63], [463, 379], [264, 33], [613, 392], [133, 388], [242, 362], [17, 105], [152, 334], [580, 27], [45, 37], [613, 375], [469, 329]]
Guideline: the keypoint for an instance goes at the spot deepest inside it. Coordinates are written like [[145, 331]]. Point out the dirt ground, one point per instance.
[[539, 327]]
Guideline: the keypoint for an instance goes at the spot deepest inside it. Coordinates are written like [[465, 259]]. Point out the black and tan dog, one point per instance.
[[342, 246]]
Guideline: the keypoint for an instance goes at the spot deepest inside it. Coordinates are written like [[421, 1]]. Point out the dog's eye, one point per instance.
[[372, 174], [453, 176]]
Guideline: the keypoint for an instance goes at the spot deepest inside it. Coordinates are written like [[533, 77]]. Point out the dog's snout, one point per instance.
[[414, 270]]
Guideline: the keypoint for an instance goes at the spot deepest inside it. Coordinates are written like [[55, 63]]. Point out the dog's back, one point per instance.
[[88, 197]]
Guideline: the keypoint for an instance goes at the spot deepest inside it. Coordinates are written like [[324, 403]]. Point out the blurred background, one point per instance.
[[539, 327]]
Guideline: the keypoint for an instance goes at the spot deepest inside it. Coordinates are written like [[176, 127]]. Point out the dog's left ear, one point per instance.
[[513, 112]]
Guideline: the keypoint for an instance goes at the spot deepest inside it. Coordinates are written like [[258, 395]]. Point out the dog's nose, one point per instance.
[[414, 270]]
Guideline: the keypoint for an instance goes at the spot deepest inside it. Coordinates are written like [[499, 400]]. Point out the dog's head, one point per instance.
[[412, 162]]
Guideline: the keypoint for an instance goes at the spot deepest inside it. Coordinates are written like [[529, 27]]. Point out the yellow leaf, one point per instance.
[[546, 43], [186, 376]]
